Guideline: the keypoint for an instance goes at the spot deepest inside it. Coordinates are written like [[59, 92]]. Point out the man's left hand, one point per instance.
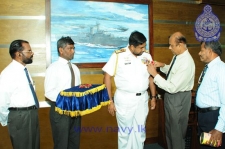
[[216, 136]]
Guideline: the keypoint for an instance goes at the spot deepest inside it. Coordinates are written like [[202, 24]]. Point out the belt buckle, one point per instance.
[[33, 107], [138, 94]]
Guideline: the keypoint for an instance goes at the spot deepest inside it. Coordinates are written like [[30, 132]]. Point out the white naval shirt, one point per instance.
[[14, 90], [131, 72], [58, 78]]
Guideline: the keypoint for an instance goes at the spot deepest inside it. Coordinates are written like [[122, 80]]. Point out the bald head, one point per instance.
[[177, 42], [179, 37]]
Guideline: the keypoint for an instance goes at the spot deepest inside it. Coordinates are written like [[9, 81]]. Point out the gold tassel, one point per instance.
[[81, 113], [80, 94]]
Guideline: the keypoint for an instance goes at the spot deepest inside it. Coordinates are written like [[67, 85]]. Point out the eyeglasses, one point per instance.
[[173, 45], [27, 51]]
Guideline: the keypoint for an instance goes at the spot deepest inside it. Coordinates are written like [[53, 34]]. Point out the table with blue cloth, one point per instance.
[[81, 100]]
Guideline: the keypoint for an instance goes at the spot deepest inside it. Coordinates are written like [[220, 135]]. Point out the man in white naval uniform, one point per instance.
[[132, 80]]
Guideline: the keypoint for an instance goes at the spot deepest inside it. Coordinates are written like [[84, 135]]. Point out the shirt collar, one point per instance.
[[183, 54], [128, 50], [214, 61], [63, 60], [18, 65], [130, 53]]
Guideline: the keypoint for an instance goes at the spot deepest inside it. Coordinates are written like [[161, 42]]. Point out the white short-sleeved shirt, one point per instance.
[[131, 73]]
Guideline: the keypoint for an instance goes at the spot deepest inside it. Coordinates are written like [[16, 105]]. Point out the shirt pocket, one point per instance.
[[125, 67]]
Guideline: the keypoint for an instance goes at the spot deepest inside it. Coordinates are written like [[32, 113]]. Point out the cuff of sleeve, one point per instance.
[[4, 123], [220, 127], [156, 78]]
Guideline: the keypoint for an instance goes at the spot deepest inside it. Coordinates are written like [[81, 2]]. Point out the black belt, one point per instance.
[[23, 108], [203, 110]]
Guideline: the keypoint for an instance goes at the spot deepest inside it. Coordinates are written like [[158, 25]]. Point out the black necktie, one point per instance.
[[202, 76], [171, 67], [72, 75], [32, 89]]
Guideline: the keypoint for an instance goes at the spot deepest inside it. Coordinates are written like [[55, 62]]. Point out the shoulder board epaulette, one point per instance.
[[120, 50], [146, 51]]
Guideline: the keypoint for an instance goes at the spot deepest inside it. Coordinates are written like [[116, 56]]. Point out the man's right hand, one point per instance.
[[111, 108], [159, 64]]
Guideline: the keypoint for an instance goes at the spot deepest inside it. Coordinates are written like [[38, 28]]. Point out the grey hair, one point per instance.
[[215, 46]]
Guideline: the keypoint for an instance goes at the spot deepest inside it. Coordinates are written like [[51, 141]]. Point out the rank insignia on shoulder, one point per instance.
[[146, 51], [120, 50]]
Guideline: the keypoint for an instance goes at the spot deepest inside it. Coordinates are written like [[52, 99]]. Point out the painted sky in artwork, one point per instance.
[[97, 28]]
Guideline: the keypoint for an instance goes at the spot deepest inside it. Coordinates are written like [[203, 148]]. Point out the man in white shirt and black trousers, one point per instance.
[[59, 77], [18, 101]]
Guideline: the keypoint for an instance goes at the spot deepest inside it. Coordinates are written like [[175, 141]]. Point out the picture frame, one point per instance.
[[97, 27]]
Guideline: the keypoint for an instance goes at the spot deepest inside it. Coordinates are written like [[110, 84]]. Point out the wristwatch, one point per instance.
[[153, 97]]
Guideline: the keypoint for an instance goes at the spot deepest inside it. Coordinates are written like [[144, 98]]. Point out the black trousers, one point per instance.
[[24, 130], [64, 130], [207, 122]]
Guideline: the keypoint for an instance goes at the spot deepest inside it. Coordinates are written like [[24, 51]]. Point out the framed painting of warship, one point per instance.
[[97, 27]]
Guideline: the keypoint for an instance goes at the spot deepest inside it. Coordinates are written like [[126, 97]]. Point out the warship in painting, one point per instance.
[[101, 37]]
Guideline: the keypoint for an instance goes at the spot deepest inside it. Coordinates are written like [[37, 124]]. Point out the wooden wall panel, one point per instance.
[[30, 30], [39, 61], [222, 36], [163, 10], [46, 140], [170, 17], [152, 122], [163, 31], [22, 7], [39, 87], [99, 130], [92, 79], [5, 142], [163, 54], [5, 58]]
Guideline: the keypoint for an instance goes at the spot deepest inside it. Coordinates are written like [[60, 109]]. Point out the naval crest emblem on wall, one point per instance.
[[207, 26]]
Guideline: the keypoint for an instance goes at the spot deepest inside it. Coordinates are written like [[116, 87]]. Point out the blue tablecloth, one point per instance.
[[79, 100]]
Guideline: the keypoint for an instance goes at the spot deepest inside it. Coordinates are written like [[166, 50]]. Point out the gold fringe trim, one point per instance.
[[81, 113], [80, 94]]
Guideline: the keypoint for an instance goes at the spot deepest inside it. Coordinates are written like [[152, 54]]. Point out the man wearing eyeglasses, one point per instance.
[[177, 85], [18, 100]]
